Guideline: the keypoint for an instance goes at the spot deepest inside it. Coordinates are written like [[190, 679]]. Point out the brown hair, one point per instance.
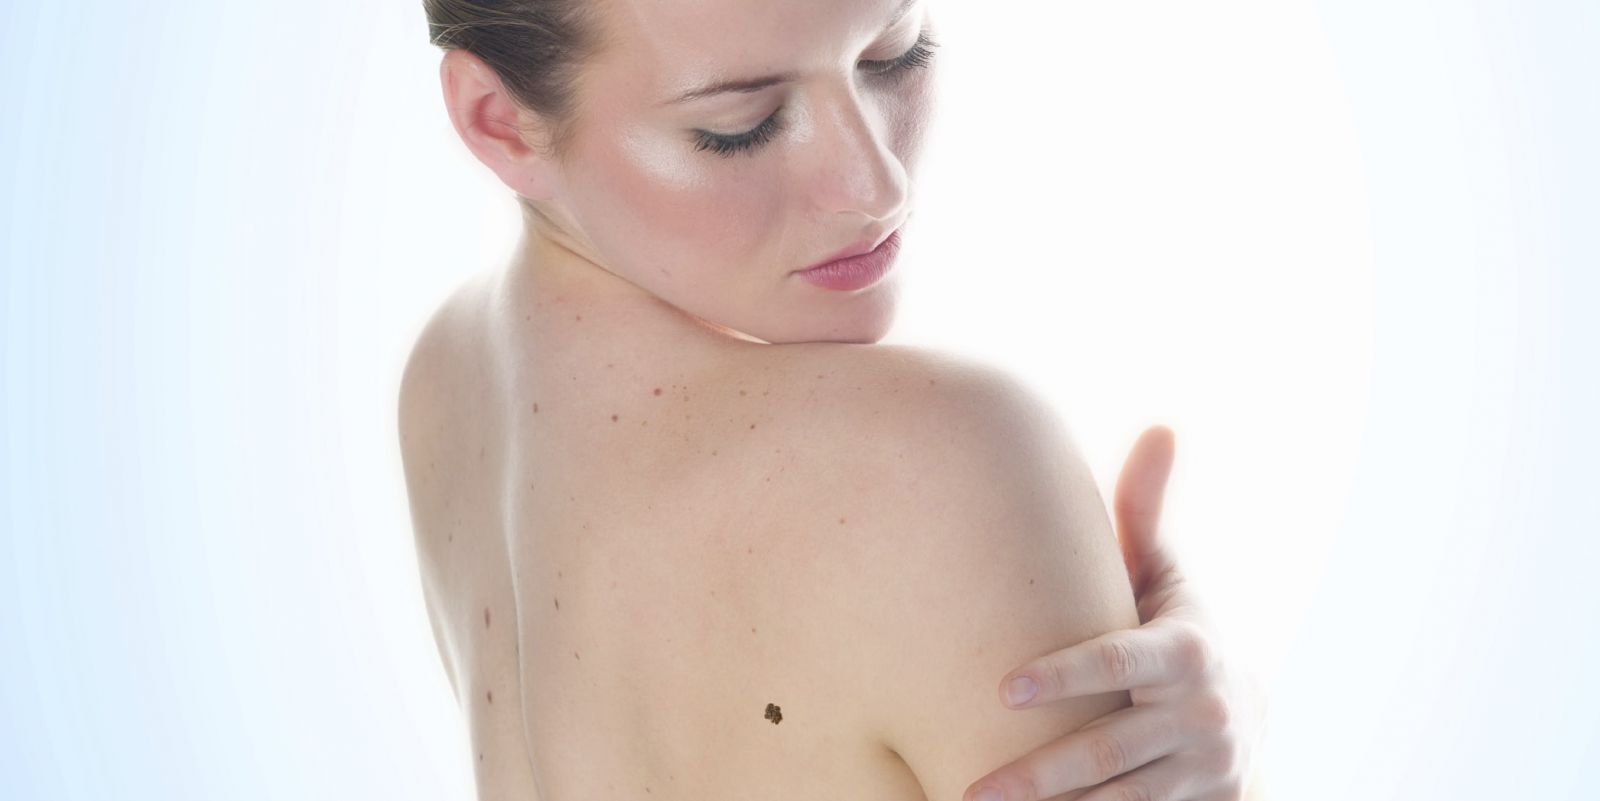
[[536, 47]]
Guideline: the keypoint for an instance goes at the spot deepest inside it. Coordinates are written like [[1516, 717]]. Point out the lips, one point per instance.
[[862, 247], [856, 272]]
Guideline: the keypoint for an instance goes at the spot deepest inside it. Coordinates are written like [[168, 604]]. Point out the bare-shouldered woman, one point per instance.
[[684, 531]]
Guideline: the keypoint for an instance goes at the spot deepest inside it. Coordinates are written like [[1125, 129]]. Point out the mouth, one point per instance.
[[857, 271]]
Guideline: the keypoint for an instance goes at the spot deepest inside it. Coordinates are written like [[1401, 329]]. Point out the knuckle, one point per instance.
[[1048, 674], [1108, 758], [1195, 651], [1120, 661], [1133, 791], [1212, 712], [1223, 760]]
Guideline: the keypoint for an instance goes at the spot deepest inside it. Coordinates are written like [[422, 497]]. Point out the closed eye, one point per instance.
[[920, 55]]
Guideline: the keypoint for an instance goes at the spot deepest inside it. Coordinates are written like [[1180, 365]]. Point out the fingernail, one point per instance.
[[989, 794], [1021, 690]]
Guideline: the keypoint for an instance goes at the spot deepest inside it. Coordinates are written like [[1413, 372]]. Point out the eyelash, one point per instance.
[[920, 55]]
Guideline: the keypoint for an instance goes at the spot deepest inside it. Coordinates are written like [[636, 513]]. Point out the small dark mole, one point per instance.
[[841, 521], [747, 549], [752, 629], [486, 617], [930, 382], [613, 418], [575, 656], [490, 695], [658, 390], [480, 756], [644, 422], [558, 604], [774, 714], [536, 408], [752, 426], [713, 452], [741, 393], [578, 317], [819, 375], [452, 538], [1030, 581], [558, 574], [610, 365]]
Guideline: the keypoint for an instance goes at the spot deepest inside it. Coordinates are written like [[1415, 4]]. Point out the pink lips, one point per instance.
[[856, 272]]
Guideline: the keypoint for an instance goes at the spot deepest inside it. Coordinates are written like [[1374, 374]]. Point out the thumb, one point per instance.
[[1140, 489]]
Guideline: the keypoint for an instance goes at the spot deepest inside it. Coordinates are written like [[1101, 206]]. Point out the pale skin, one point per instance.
[[657, 240]]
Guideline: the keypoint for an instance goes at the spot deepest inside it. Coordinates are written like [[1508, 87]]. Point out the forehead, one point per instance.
[[660, 47]]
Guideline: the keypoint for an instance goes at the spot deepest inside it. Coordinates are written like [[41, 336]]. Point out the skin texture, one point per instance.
[[719, 237], [657, 273]]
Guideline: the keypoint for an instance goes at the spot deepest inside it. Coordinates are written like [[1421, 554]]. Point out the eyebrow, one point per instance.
[[756, 84]]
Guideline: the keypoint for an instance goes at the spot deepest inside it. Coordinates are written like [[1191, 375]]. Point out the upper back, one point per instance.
[[662, 593]]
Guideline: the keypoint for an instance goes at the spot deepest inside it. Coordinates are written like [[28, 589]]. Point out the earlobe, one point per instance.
[[492, 125]]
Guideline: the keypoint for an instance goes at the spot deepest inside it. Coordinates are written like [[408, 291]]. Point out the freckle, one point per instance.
[[536, 408], [490, 695], [747, 549], [558, 574], [1030, 581], [752, 629], [558, 604], [841, 521], [452, 538], [819, 375], [741, 393], [713, 452], [608, 366], [578, 317], [613, 418], [486, 617], [658, 390], [930, 382], [480, 756], [644, 422], [764, 394]]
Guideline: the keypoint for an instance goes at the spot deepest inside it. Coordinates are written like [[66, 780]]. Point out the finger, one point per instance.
[[1102, 750], [1165, 652], [1137, 506], [1161, 780]]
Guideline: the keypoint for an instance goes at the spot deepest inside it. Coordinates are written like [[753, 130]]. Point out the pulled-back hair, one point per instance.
[[536, 47]]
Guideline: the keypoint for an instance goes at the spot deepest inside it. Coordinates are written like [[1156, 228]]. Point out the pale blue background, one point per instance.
[[223, 222]]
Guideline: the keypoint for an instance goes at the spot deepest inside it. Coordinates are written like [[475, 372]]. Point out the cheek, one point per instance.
[[695, 217]]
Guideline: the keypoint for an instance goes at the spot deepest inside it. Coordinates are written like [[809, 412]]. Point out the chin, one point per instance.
[[862, 319]]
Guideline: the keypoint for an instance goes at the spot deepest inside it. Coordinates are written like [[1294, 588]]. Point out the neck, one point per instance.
[[552, 280]]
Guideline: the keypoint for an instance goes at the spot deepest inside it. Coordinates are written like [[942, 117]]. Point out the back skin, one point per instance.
[[704, 569]]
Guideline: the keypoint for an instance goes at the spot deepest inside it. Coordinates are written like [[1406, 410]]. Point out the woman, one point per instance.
[[684, 531]]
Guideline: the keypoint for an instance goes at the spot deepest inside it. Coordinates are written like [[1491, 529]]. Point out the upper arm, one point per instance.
[[994, 549], [420, 410]]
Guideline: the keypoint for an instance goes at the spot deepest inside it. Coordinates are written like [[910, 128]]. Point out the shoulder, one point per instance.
[[980, 543], [439, 407]]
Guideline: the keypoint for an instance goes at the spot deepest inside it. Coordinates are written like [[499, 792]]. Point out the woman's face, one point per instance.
[[712, 203]]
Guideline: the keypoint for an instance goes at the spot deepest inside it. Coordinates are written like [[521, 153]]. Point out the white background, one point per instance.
[[1346, 250]]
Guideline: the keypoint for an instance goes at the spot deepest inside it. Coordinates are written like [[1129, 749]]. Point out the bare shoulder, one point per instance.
[[980, 541]]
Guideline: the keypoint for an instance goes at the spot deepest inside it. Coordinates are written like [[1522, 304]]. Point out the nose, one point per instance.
[[856, 171]]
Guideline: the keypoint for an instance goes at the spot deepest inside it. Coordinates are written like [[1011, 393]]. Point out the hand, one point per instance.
[[1195, 719]]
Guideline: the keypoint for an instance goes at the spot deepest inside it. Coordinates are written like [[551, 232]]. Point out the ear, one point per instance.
[[507, 139]]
